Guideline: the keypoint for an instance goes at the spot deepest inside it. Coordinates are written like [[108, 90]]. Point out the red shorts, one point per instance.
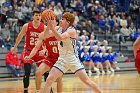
[[50, 61], [137, 62], [36, 58]]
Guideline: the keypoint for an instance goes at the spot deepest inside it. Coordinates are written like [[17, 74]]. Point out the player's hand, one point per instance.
[[52, 24], [42, 52], [26, 58]]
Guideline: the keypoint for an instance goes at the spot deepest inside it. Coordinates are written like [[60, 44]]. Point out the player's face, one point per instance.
[[37, 17], [63, 22]]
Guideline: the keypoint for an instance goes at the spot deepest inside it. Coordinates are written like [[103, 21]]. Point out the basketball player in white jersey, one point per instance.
[[68, 58]]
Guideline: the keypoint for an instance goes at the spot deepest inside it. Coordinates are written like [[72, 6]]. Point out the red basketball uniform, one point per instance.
[[137, 61], [52, 49], [30, 42]]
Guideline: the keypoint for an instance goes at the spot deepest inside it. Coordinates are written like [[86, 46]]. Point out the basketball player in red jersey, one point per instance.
[[136, 49], [31, 30], [52, 55]]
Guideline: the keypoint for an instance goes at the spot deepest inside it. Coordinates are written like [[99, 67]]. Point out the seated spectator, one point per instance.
[[86, 60], [125, 32], [1, 42], [111, 58], [105, 61], [132, 28], [11, 17], [7, 36], [12, 63], [95, 56], [102, 24], [123, 21], [136, 34]]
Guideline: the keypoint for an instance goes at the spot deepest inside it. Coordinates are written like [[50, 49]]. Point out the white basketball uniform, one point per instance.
[[68, 55]]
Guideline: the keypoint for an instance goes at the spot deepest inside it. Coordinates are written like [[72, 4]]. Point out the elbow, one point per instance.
[[59, 38]]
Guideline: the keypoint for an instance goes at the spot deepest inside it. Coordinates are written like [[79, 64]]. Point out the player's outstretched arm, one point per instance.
[[36, 48], [136, 45], [69, 33], [20, 36]]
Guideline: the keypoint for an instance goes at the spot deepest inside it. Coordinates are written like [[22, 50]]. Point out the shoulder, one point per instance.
[[25, 25], [72, 32]]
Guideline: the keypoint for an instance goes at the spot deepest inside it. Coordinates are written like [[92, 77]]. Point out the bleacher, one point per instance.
[[126, 49]]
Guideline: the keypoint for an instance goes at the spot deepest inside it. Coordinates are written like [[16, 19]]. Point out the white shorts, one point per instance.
[[70, 62]]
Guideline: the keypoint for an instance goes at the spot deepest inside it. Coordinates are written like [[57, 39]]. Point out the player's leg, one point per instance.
[[46, 74], [59, 84], [84, 77], [40, 71], [27, 68], [137, 62], [53, 75]]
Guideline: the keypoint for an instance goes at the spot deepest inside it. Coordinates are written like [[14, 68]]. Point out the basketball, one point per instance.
[[46, 13]]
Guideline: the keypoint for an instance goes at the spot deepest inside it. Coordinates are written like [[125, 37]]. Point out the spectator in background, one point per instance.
[[132, 29], [125, 32], [102, 24], [86, 60], [24, 9], [11, 17], [58, 10], [136, 34], [123, 21], [90, 27], [7, 36], [83, 27], [1, 42], [4, 9], [79, 6], [12, 63]]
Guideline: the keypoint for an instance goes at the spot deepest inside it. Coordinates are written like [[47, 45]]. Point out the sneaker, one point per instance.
[[117, 68], [103, 72], [89, 73], [96, 69], [112, 70], [108, 72], [98, 72]]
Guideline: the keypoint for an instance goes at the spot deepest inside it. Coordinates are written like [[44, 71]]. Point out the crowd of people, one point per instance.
[[91, 16]]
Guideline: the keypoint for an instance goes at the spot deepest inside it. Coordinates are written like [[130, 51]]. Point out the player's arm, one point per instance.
[[37, 47], [69, 33], [20, 36], [136, 45], [47, 32]]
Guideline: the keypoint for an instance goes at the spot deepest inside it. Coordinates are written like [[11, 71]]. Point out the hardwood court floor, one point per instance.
[[123, 82]]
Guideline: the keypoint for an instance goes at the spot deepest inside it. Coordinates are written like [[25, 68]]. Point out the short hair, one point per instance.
[[36, 11], [69, 17]]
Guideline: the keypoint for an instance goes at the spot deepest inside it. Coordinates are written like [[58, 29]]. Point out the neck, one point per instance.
[[36, 24], [64, 28]]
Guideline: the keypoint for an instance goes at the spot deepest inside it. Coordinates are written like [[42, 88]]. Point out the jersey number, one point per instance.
[[33, 41], [54, 49]]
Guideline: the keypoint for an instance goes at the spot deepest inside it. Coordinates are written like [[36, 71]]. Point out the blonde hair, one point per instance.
[[69, 17]]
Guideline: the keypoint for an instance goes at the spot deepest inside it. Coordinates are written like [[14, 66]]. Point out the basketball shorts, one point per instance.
[[36, 58], [50, 61], [65, 63]]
